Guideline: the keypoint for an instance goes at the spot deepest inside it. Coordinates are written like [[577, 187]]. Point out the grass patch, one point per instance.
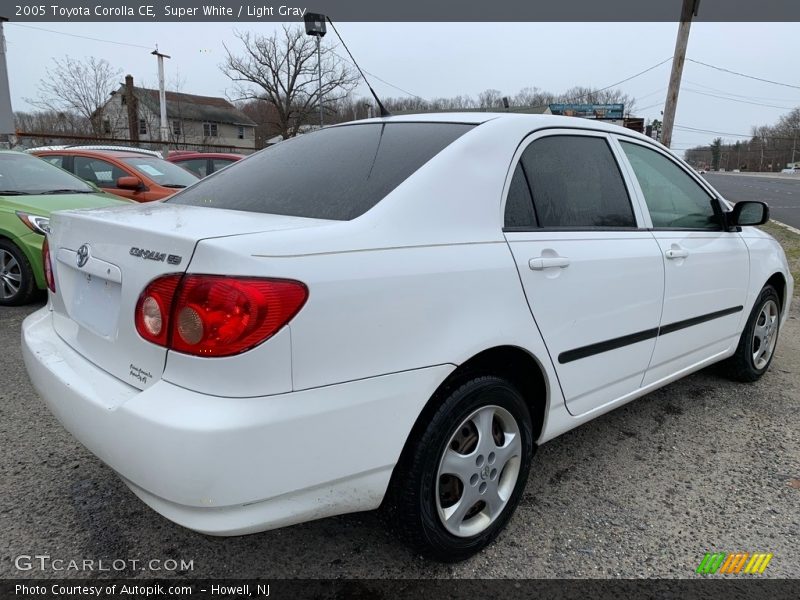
[[791, 246]]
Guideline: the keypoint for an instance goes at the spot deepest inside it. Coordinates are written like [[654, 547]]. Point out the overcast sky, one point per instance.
[[448, 59]]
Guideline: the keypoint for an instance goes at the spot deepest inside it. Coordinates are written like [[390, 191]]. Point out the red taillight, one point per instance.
[[153, 309], [48, 267], [216, 315]]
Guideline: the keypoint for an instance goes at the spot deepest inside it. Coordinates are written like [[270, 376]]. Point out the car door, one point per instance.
[[593, 277], [706, 269]]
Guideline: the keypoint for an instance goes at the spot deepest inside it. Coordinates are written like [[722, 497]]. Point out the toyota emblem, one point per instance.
[[83, 255]]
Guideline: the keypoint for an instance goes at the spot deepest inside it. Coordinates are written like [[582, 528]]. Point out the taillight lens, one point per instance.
[[48, 267], [216, 315], [153, 309]]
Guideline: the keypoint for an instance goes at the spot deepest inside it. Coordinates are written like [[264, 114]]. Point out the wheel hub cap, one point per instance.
[[478, 471], [10, 275], [764, 334]]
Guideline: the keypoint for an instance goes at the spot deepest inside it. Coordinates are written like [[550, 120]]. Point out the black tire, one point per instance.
[[22, 268], [413, 500], [742, 366]]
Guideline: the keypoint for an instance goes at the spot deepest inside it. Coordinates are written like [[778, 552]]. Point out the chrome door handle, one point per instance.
[[544, 262], [676, 253]]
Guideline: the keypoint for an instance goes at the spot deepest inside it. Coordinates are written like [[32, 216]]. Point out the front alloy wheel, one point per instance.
[[765, 334], [756, 347], [16, 277]]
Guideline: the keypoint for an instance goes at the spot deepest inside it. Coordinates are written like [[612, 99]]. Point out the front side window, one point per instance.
[[162, 172], [576, 183], [99, 172], [673, 198]]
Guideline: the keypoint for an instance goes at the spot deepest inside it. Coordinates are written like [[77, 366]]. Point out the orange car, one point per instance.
[[131, 173]]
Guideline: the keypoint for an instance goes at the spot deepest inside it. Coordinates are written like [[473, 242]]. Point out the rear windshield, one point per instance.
[[337, 173]]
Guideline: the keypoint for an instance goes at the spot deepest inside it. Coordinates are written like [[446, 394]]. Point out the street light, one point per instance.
[[315, 26]]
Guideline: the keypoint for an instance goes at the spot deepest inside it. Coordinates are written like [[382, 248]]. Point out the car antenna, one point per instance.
[[381, 108]]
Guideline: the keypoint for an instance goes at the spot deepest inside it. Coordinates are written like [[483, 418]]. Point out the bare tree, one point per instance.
[[490, 98], [282, 70], [81, 87]]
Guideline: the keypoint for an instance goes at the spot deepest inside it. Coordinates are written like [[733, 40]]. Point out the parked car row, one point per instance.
[[86, 177]]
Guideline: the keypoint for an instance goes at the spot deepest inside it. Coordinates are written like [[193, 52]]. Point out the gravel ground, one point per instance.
[[701, 465]]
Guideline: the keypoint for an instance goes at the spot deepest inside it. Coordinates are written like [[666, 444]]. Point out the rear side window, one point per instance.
[[337, 173], [519, 205], [576, 183]]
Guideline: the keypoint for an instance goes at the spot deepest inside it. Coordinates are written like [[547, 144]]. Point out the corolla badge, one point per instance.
[[83, 255]]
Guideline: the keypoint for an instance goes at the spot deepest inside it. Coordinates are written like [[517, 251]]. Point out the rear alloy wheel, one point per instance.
[[16, 278], [759, 338], [460, 480]]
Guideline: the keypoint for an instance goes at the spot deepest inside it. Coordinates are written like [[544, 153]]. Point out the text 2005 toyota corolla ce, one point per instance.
[[393, 312]]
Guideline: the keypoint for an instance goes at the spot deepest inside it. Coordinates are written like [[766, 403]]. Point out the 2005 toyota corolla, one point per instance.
[[397, 312]]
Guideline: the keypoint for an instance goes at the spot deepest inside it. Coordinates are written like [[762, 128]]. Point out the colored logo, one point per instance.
[[734, 563]]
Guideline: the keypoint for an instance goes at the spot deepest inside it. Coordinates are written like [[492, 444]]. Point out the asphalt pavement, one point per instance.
[[781, 193], [703, 465]]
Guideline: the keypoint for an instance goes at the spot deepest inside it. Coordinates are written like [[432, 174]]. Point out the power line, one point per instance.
[[379, 79], [603, 89], [658, 91], [745, 96], [735, 99], [789, 85], [741, 135], [84, 37], [650, 106]]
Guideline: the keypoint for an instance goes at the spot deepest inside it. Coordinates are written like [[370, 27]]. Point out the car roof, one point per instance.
[[525, 121], [95, 152], [187, 155]]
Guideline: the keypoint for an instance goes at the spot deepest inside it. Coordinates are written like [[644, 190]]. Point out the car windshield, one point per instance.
[[23, 174], [337, 173], [162, 172]]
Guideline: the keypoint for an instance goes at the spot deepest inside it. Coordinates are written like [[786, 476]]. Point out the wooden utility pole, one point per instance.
[[687, 12]]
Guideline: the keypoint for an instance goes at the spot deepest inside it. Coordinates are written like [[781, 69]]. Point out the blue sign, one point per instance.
[[589, 111]]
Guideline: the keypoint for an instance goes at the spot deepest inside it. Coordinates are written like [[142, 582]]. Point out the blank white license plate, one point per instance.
[[95, 304]]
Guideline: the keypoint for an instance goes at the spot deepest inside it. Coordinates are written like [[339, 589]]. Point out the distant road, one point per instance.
[[782, 194]]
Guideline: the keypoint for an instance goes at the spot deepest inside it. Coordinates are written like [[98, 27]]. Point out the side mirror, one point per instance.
[[749, 213], [129, 183]]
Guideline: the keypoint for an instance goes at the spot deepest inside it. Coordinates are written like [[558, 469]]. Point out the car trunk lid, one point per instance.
[[103, 259]]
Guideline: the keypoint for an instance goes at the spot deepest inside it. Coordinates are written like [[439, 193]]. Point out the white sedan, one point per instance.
[[394, 312]]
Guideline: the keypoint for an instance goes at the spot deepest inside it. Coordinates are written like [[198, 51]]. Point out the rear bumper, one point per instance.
[[227, 466]]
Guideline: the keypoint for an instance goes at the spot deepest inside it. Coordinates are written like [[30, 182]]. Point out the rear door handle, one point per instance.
[[676, 253], [544, 262]]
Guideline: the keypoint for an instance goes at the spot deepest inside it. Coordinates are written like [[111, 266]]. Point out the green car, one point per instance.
[[30, 189]]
